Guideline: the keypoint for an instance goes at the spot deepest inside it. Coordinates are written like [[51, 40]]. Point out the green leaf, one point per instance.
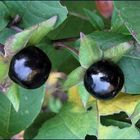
[[84, 95], [109, 39], [16, 42], [30, 105], [13, 96], [94, 19], [6, 33], [136, 114], [75, 122], [130, 66], [54, 104], [41, 30], [33, 35], [117, 25], [89, 51], [3, 15], [76, 15], [116, 53], [74, 78], [112, 132], [70, 29], [33, 129], [4, 66], [75, 8], [129, 14], [34, 12]]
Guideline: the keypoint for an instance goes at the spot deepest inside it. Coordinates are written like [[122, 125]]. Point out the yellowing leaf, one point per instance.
[[74, 96], [112, 132], [123, 102]]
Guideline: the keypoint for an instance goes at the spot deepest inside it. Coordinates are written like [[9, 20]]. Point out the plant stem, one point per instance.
[[61, 45], [78, 15], [13, 24], [17, 29], [71, 39], [2, 48], [16, 20]]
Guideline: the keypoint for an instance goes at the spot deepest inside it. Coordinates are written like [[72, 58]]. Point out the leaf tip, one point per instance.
[[82, 35], [53, 20]]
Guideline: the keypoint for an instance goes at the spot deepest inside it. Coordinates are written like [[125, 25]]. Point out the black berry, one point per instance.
[[104, 79], [30, 67]]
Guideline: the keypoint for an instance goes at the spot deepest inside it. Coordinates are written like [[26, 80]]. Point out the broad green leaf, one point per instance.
[[117, 52], [123, 102], [89, 51], [109, 39], [13, 96], [112, 132], [4, 13], [129, 14], [117, 25], [94, 19], [6, 33], [75, 122], [136, 114], [34, 12], [50, 130], [84, 95], [130, 66], [30, 105], [33, 129], [74, 78], [78, 6], [41, 30], [69, 28]]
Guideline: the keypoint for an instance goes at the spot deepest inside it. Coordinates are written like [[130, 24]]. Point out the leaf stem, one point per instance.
[[71, 39], [17, 29], [2, 48], [61, 45], [78, 15], [16, 20], [13, 24]]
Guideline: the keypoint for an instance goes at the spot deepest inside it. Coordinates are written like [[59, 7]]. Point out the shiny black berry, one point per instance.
[[104, 79], [30, 67]]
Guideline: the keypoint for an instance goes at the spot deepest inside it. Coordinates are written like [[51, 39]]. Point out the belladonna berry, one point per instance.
[[104, 79], [30, 67]]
